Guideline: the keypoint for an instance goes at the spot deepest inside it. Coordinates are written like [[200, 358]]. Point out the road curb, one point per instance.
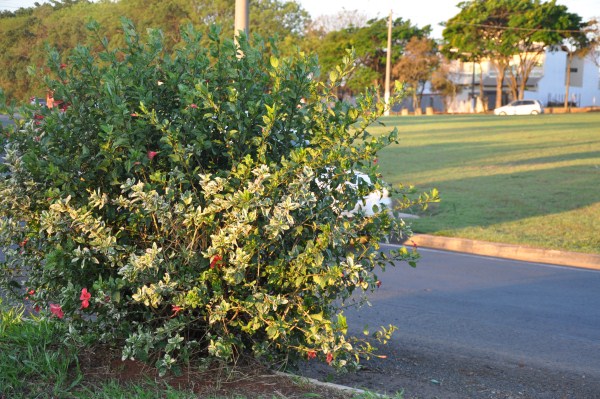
[[331, 385], [507, 251]]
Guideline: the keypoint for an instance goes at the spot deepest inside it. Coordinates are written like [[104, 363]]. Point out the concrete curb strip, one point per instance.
[[507, 251], [329, 385]]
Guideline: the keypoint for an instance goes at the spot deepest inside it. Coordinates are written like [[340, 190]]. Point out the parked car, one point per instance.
[[380, 198], [520, 107]]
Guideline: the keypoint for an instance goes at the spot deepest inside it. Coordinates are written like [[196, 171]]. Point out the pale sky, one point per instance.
[[420, 12]]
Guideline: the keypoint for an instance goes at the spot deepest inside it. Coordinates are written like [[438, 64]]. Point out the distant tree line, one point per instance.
[[496, 30]]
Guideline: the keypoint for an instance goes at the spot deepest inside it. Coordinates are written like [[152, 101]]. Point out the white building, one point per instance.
[[546, 83]]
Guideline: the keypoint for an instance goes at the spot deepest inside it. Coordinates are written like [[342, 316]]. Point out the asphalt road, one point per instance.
[[478, 327], [544, 314], [4, 120]]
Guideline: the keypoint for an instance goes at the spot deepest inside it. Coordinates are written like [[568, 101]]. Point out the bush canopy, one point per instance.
[[199, 202]]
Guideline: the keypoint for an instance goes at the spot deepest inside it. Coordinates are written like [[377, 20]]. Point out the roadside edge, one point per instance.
[[507, 251]]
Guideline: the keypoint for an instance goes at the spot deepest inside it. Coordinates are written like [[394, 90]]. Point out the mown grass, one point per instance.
[[521, 180], [33, 363], [37, 361]]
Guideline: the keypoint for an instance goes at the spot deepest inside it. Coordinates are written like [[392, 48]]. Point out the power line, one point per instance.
[[496, 27]]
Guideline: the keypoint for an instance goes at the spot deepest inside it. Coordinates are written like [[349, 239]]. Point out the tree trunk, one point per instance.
[[501, 69], [525, 72], [481, 89], [416, 103], [514, 84]]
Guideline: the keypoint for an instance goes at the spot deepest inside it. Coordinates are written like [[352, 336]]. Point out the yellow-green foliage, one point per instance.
[[195, 201]]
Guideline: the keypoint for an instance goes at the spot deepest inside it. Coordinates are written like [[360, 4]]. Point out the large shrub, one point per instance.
[[196, 202]]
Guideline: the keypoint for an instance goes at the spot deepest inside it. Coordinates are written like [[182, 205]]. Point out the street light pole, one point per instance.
[[242, 16], [388, 67]]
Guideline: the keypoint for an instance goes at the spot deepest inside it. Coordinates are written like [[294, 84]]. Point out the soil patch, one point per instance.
[[248, 378]]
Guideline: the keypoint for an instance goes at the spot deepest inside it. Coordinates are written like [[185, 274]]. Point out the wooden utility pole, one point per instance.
[[242, 16], [388, 67]]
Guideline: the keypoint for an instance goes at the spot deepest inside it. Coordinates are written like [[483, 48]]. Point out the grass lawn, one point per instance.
[[530, 180]]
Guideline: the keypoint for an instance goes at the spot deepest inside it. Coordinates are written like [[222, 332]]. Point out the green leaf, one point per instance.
[[320, 280], [333, 76]]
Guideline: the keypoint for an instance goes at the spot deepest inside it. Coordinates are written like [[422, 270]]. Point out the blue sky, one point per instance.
[[420, 12]]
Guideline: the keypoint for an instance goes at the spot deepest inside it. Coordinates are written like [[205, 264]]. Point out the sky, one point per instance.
[[420, 12]]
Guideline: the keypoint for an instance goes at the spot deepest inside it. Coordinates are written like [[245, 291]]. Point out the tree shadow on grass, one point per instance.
[[483, 201], [557, 158]]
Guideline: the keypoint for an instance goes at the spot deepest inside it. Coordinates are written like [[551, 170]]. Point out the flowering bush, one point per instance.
[[175, 203]]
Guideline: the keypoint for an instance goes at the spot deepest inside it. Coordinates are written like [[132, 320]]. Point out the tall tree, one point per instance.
[[578, 43], [369, 43], [476, 34], [61, 24], [443, 84], [512, 34], [534, 27]]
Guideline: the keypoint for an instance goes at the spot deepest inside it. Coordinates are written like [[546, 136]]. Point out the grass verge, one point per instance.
[[518, 180]]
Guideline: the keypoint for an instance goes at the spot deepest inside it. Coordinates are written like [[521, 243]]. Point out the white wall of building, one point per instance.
[[585, 82], [584, 88]]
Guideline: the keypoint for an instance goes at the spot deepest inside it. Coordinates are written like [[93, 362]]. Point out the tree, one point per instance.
[[416, 66], [25, 33], [534, 27], [506, 30], [475, 34], [443, 84], [578, 43], [345, 19], [369, 44]]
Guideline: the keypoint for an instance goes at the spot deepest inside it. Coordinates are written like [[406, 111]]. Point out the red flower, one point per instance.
[[375, 160], [29, 293], [24, 242], [414, 244], [57, 310], [193, 106], [329, 358], [134, 114], [36, 308], [311, 354], [378, 283], [215, 260], [63, 66], [176, 310], [85, 298], [38, 116], [152, 154]]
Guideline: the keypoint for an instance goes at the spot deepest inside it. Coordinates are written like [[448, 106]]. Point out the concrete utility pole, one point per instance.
[[388, 67], [242, 16]]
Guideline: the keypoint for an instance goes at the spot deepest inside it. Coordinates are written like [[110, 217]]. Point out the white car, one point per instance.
[[376, 197], [381, 198], [520, 107]]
